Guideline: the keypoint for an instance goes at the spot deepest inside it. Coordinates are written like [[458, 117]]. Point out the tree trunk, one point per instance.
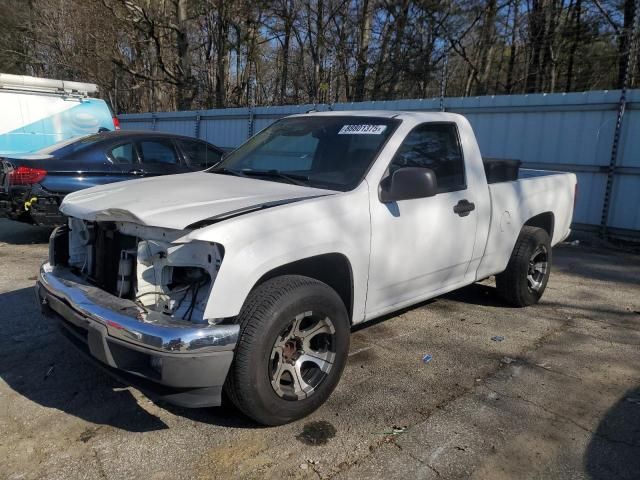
[[319, 52], [624, 43], [471, 76], [487, 41], [574, 45], [401, 23], [381, 63], [513, 48], [315, 48], [536, 41], [251, 64], [185, 88], [288, 21], [363, 51], [549, 58], [222, 32]]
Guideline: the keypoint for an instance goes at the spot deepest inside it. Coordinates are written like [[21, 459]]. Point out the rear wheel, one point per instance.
[[292, 349], [527, 274]]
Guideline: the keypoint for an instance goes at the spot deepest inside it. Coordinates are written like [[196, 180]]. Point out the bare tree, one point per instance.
[[362, 58], [185, 54]]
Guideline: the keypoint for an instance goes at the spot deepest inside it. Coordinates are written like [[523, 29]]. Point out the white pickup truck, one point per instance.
[[248, 276]]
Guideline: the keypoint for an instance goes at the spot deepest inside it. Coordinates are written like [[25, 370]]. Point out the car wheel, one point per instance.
[[293, 346], [527, 274]]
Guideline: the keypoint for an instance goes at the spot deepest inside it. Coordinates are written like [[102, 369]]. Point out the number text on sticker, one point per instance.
[[362, 129]]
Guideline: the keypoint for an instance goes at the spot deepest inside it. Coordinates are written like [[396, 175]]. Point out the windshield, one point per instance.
[[332, 152], [70, 145]]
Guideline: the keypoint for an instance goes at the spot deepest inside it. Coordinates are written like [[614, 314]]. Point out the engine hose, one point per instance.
[[28, 203]]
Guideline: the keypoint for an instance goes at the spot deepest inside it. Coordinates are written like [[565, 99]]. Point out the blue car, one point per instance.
[[33, 185]]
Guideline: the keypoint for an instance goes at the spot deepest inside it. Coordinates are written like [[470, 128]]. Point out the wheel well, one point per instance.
[[333, 269], [544, 221]]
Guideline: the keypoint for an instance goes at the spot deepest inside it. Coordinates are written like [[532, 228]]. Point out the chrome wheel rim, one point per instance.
[[538, 268], [302, 356]]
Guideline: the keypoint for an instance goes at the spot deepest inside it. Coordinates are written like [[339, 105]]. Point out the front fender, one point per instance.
[[259, 242]]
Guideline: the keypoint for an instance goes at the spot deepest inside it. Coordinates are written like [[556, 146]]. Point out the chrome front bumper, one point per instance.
[[191, 360]]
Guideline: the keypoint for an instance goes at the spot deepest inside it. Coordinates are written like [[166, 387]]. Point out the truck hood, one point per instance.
[[178, 201]]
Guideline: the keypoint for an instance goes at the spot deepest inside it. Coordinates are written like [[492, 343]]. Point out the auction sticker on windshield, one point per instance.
[[362, 129]]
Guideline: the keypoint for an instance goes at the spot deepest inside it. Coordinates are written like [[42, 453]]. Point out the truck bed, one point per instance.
[[515, 202]]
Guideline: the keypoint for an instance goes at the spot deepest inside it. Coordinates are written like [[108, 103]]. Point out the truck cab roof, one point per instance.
[[397, 114]]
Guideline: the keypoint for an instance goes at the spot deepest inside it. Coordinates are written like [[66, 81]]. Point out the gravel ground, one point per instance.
[[558, 397]]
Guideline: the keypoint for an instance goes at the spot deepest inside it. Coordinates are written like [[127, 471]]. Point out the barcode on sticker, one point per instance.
[[362, 129]]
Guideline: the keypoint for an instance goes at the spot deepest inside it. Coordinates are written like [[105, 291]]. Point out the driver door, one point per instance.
[[421, 247]]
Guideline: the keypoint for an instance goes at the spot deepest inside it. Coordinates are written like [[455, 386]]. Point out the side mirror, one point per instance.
[[407, 183]]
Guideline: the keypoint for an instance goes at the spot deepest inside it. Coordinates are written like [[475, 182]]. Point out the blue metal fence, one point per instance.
[[566, 132]]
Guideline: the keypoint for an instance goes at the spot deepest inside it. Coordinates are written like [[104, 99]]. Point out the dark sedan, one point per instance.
[[32, 186]]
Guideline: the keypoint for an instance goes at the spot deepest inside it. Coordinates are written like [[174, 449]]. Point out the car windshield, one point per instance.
[[70, 145], [331, 152]]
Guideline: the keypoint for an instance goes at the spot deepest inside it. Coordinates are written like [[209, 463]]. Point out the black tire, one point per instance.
[[264, 319], [517, 285]]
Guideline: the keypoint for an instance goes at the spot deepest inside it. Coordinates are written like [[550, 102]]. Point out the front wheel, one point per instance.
[[525, 279], [291, 351]]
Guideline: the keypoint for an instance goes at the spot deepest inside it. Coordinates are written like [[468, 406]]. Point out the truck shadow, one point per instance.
[[224, 416], [602, 264], [475, 294], [614, 449], [38, 363], [478, 294], [17, 233]]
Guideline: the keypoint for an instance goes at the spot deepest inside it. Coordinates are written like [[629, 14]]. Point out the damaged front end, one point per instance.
[[136, 300], [142, 264]]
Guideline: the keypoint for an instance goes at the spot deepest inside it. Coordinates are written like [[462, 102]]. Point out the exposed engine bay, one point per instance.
[[141, 264]]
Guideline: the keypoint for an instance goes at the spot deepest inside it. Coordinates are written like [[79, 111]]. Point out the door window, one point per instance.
[[199, 154], [123, 154], [435, 146], [158, 151]]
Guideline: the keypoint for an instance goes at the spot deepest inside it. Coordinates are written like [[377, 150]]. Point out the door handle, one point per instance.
[[464, 208], [137, 171]]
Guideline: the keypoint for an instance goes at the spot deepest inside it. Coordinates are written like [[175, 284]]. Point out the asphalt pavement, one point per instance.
[[549, 391]]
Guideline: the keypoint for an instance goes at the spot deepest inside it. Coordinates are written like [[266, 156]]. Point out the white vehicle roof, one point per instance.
[[352, 113], [419, 116], [25, 83]]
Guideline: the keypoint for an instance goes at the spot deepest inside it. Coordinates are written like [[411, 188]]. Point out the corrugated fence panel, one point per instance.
[[180, 127], [625, 201], [227, 134], [566, 132]]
